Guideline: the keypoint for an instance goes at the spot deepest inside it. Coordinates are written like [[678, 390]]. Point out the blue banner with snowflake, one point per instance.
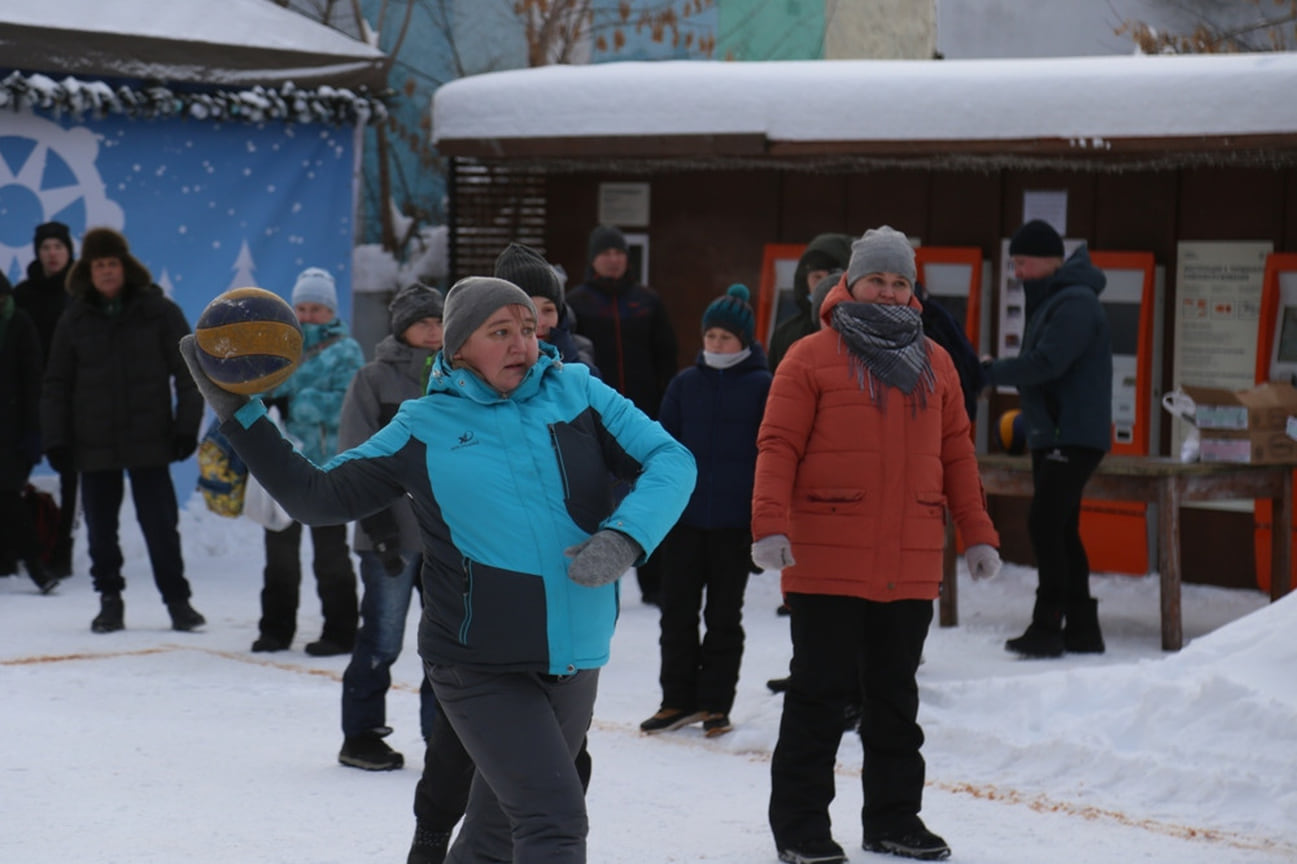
[[205, 206]]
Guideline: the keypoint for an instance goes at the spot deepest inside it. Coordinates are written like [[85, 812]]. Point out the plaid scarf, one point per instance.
[[886, 345]]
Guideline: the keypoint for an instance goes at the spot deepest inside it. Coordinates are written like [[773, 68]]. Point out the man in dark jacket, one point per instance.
[[825, 253], [634, 343], [107, 408], [43, 295], [1064, 377]]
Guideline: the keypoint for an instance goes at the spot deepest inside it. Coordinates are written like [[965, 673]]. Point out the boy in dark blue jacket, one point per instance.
[[714, 408]]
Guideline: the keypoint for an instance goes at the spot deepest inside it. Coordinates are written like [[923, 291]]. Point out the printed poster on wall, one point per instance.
[[1217, 312]]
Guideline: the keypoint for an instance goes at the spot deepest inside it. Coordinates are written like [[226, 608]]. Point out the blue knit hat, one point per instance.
[[732, 312], [315, 285]]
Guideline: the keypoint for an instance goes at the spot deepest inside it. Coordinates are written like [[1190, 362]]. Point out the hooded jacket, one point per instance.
[[825, 251], [716, 414], [314, 392], [500, 486], [107, 392], [1064, 371], [861, 490]]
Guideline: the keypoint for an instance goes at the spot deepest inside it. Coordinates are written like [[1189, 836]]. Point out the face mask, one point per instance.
[[725, 361]]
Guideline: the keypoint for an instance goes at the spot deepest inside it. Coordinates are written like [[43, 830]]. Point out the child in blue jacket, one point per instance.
[[714, 408]]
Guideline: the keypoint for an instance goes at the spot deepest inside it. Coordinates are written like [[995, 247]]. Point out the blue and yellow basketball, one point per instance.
[[1013, 432], [248, 340]]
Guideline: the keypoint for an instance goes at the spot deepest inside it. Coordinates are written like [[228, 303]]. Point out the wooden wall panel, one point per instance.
[[810, 204], [896, 197]]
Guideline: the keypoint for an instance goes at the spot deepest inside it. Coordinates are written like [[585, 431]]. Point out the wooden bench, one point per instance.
[[1166, 483]]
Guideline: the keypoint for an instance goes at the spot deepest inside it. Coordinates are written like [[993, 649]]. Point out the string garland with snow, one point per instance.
[[74, 97]]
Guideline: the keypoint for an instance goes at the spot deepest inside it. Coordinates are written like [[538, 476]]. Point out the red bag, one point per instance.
[[45, 520]]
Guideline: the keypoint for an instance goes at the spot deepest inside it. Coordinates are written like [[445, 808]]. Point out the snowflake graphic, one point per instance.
[[47, 173]]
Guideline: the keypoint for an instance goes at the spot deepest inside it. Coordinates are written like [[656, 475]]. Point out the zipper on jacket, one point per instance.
[[467, 596], [558, 454]]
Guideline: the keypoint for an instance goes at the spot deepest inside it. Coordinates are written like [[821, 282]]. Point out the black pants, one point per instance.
[[67, 507], [841, 644], [1059, 476], [159, 518], [335, 583], [703, 674]]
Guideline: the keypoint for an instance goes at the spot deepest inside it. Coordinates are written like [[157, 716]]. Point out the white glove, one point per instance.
[[773, 552], [983, 561]]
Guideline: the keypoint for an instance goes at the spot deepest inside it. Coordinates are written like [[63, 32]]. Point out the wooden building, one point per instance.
[[1151, 152]]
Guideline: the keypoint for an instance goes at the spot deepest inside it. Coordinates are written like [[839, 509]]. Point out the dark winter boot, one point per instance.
[[429, 846], [184, 617], [1044, 638], [1081, 634], [60, 566], [111, 614]]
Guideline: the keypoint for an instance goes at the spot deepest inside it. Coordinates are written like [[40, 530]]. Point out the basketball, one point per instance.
[[1013, 432], [248, 340]]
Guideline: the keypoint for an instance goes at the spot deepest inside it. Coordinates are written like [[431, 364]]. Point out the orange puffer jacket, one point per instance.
[[860, 491]]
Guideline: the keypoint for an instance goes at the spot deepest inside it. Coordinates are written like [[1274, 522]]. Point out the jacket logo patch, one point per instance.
[[466, 440]]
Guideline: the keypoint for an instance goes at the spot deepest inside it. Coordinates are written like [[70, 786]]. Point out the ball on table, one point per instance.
[[1013, 432], [248, 340]]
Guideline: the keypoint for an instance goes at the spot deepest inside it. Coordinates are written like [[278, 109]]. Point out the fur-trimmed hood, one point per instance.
[[106, 243]]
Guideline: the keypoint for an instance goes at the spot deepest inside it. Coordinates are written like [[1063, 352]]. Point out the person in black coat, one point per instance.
[[714, 408], [20, 385], [107, 408], [825, 253], [634, 343], [43, 295]]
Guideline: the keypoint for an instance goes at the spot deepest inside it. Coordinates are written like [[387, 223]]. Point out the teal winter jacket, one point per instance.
[[500, 486], [315, 390]]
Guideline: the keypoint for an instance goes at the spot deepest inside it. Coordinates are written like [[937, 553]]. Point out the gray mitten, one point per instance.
[[602, 558], [773, 552], [223, 402]]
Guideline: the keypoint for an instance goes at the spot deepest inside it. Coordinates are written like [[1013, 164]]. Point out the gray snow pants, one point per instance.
[[523, 730]]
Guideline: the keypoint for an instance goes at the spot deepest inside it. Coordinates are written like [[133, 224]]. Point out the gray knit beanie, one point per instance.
[[471, 301], [413, 303], [881, 250], [528, 269]]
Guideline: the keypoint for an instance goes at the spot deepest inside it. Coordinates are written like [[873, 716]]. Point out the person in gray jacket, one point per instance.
[[108, 409], [387, 541], [1064, 376]]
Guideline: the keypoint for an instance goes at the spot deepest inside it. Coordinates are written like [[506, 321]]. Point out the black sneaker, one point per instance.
[[716, 724], [184, 617], [267, 644], [111, 617], [918, 843], [370, 752], [428, 846], [670, 719], [323, 647], [823, 851]]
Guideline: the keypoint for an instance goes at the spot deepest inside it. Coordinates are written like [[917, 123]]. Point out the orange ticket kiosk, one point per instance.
[[1276, 360]]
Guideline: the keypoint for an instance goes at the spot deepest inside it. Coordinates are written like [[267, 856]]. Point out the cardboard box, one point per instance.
[[1253, 426], [1265, 406], [1249, 426]]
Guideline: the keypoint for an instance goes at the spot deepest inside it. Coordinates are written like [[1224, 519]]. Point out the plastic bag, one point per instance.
[[258, 505], [1179, 404]]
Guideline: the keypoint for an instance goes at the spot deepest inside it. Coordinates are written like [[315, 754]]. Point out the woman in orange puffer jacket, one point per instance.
[[864, 445]]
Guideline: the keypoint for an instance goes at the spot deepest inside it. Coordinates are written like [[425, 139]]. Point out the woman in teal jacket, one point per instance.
[[506, 462]]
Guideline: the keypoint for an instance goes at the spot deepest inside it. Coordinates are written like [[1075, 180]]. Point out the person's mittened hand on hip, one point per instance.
[[773, 552], [602, 558], [983, 561], [389, 554], [223, 402]]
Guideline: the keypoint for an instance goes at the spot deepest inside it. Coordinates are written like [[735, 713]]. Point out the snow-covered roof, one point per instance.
[[1082, 103], [233, 42]]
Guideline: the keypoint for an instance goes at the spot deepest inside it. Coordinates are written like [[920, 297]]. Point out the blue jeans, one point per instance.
[[383, 610]]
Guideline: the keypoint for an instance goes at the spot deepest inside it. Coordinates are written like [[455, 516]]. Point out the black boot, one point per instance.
[[429, 846], [184, 617], [111, 613], [1081, 634], [1044, 638], [61, 562]]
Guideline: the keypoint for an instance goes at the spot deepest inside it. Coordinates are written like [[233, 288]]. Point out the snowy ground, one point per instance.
[[151, 747]]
